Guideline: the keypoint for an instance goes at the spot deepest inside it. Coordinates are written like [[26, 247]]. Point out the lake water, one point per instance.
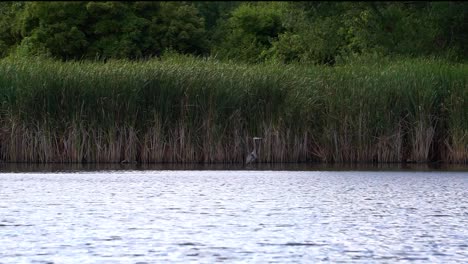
[[248, 215]]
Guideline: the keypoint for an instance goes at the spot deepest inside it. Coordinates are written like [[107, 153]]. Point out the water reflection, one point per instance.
[[76, 167]]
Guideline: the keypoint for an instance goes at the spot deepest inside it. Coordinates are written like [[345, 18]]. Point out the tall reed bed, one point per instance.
[[183, 109]]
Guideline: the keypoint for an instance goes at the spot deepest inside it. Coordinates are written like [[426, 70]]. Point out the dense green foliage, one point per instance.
[[309, 32], [74, 30], [185, 109], [194, 81]]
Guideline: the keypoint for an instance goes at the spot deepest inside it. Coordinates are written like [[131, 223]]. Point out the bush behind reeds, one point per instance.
[[185, 109]]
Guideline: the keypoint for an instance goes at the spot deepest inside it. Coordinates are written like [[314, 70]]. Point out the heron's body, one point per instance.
[[253, 155]]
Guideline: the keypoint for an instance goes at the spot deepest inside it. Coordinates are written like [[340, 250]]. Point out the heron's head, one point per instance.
[[257, 138]]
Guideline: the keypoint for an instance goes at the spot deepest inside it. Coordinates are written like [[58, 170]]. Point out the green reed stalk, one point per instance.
[[185, 109]]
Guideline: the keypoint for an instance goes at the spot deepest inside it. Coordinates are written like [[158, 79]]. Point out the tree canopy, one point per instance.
[[307, 32]]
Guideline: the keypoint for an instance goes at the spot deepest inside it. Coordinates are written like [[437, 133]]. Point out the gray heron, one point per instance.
[[253, 155]]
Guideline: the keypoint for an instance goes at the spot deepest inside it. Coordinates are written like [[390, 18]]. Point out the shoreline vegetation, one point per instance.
[[185, 109], [194, 82]]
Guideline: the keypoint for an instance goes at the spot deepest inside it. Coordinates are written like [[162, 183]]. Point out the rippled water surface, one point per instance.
[[157, 216]]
